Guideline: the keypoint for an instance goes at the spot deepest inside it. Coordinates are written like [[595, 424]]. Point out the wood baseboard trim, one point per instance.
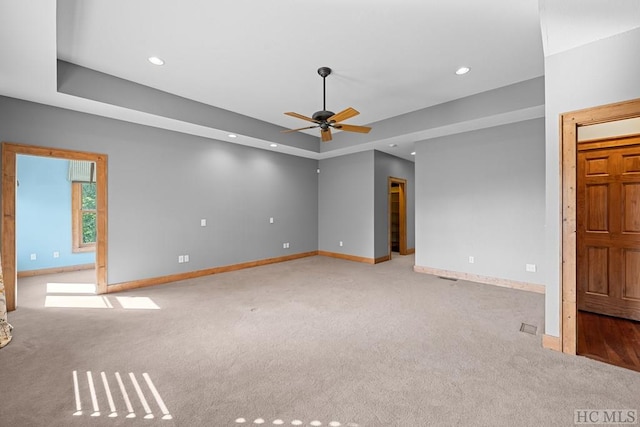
[[125, 286], [552, 343], [381, 259], [348, 257], [410, 251], [505, 283], [56, 270]]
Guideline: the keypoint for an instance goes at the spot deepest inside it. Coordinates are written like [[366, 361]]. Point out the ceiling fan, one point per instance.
[[325, 120]]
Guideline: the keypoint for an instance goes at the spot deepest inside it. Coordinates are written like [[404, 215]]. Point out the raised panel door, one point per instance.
[[608, 231]]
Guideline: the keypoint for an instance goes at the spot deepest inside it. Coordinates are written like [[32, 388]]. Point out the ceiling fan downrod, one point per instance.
[[324, 72], [322, 116]]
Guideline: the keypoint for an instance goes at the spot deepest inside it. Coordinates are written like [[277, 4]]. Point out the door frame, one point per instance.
[[402, 183], [569, 123], [10, 153]]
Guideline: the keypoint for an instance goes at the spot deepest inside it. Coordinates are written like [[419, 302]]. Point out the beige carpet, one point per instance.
[[312, 342]]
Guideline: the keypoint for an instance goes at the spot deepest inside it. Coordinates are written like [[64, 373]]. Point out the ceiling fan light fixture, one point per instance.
[[462, 70]]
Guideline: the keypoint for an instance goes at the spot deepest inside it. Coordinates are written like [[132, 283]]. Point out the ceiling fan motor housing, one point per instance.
[[322, 116]]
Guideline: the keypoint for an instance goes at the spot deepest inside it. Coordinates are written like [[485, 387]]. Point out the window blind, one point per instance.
[[82, 171]]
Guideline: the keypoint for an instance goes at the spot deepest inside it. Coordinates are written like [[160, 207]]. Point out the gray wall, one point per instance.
[[386, 166], [481, 194], [162, 183], [346, 194], [598, 73]]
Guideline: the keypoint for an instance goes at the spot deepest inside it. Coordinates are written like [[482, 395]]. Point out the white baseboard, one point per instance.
[[505, 283]]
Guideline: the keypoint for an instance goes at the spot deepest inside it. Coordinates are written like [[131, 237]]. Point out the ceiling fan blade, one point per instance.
[[300, 116], [325, 135], [343, 115], [295, 130], [352, 128]]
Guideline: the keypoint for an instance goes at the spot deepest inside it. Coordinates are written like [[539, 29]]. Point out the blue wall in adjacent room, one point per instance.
[[43, 215]]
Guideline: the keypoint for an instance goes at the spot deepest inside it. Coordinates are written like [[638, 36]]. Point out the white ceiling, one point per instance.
[[568, 24], [259, 58]]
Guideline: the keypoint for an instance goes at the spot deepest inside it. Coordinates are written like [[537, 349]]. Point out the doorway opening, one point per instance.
[[10, 153], [570, 123], [397, 216]]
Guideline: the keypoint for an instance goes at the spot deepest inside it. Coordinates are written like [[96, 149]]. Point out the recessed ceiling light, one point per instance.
[[232, 135], [462, 70], [155, 60], [273, 145], [393, 145], [413, 153]]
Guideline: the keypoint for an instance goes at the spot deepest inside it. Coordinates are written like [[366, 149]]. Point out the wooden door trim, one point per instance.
[[569, 123], [10, 152], [403, 213]]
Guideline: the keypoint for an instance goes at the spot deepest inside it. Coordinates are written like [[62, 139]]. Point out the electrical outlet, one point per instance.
[[203, 223], [341, 243], [472, 259], [33, 257], [271, 220], [56, 254], [186, 258], [180, 259], [531, 268]]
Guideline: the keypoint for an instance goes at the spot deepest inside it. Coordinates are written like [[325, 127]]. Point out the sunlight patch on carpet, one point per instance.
[[103, 397], [97, 301], [137, 303], [76, 301]]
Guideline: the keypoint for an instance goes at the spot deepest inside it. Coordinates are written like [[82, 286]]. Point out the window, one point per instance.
[[83, 214]]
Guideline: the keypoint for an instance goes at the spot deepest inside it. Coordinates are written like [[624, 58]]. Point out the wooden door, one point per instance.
[[394, 210], [608, 256], [397, 211]]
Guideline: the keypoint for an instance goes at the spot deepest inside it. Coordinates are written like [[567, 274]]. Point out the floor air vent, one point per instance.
[[528, 329], [448, 278]]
